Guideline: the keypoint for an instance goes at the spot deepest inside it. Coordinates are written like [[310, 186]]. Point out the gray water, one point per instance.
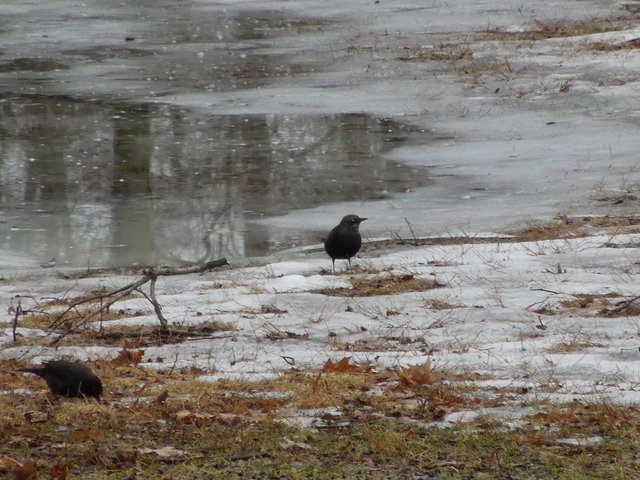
[[99, 184], [91, 175]]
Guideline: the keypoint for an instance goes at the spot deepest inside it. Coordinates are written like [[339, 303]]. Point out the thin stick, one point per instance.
[[15, 320], [122, 294], [415, 239], [164, 325], [72, 306], [149, 276]]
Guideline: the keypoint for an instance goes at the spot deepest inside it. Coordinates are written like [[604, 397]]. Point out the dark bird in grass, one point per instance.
[[344, 240], [69, 379]]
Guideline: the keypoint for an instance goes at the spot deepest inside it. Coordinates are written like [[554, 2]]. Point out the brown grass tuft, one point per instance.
[[447, 52], [435, 304], [589, 300], [604, 46], [544, 29], [574, 227], [387, 284]]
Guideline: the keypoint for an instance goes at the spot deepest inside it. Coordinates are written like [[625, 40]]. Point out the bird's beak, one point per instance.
[[363, 219]]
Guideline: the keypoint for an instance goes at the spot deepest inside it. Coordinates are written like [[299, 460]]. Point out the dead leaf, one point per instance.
[[341, 366], [59, 472], [20, 471], [415, 375], [84, 434], [183, 414], [164, 452], [24, 471], [128, 357], [160, 399], [9, 462], [131, 343]]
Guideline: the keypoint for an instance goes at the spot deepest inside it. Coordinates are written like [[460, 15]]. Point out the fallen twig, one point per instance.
[[413, 234], [72, 306], [14, 327], [164, 325], [149, 276]]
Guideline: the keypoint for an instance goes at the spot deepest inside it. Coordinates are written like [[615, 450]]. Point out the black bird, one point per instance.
[[344, 240], [69, 379]]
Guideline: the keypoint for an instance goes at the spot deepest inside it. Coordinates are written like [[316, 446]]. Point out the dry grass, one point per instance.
[[435, 304], [545, 29], [604, 46], [607, 305], [150, 334], [147, 411], [574, 343], [443, 52], [624, 308], [64, 314], [575, 227], [169, 424], [59, 321], [114, 334], [475, 72], [383, 344], [385, 284], [588, 301]]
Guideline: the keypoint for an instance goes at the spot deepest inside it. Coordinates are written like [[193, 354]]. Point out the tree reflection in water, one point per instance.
[[93, 184]]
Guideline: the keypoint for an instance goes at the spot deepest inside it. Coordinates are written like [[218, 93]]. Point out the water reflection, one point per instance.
[[92, 176], [97, 184]]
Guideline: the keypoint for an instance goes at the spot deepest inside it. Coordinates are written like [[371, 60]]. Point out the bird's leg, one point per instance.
[[333, 262]]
